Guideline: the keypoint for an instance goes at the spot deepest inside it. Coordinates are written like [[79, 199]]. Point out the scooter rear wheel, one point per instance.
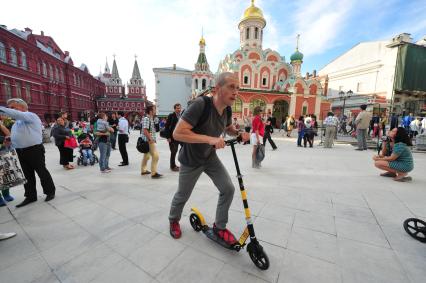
[[416, 228], [195, 222]]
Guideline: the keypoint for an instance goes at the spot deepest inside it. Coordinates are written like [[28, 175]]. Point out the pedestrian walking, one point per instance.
[[113, 122], [169, 128], [290, 125], [123, 138], [300, 130], [362, 123], [268, 131], [148, 134], [330, 124], [257, 134], [26, 138], [308, 135]]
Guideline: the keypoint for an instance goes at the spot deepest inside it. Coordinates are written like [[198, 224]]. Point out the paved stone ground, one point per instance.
[[323, 215]]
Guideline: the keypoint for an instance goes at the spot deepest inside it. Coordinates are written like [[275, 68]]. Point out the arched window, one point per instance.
[[7, 89], [305, 108], [23, 60], [44, 70], [13, 58], [246, 79], [237, 107], [57, 73], [247, 33], [74, 79], [28, 93], [196, 83], [137, 90], [265, 79], [2, 53], [256, 32], [62, 76], [18, 89], [51, 72], [38, 68], [203, 84], [257, 102]]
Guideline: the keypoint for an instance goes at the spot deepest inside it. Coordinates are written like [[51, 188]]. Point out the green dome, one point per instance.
[[297, 56]]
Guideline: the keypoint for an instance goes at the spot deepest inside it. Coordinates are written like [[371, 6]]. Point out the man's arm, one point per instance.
[[17, 115], [183, 132]]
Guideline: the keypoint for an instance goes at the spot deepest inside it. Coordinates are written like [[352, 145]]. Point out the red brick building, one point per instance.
[[34, 68], [115, 99]]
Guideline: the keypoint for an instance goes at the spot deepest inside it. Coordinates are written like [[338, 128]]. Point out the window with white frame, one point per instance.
[[51, 72], [247, 33], [57, 73], [265, 79], [28, 92], [203, 84], [24, 60], [256, 32], [13, 58], [44, 70], [18, 89], [2, 53], [7, 89], [196, 83], [62, 76]]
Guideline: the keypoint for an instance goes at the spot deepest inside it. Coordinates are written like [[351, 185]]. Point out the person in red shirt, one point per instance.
[[258, 131]]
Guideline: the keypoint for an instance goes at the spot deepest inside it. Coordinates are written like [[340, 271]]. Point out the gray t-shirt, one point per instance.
[[196, 154]]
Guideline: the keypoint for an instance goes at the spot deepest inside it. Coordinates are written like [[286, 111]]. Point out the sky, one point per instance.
[[166, 32]]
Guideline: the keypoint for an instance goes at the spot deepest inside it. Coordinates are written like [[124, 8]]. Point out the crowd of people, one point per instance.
[[199, 131]]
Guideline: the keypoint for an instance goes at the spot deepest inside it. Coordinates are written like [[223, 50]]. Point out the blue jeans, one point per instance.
[[300, 137], [105, 151], [87, 155]]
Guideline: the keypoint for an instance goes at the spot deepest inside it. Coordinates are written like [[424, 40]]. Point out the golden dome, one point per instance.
[[253, 12], [202, 41]]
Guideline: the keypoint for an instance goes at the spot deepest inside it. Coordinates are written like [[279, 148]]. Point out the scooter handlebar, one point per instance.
[[234, 140]]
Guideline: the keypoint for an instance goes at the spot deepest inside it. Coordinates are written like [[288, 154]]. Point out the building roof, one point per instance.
[[136, 74], [114, 73], [253, 12]]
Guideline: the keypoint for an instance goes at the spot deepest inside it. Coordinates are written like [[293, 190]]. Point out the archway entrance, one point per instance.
[[280, 111]]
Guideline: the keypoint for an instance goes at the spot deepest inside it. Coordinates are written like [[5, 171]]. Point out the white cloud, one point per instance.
[[160, 32]]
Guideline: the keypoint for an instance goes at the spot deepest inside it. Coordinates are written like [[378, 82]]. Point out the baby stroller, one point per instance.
[[80, 160]]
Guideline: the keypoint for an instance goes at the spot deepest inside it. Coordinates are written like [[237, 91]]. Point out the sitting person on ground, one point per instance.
[[401, 160], [86, 150]]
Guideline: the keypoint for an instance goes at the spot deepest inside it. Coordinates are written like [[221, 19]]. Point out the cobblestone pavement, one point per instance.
[[322, 215]]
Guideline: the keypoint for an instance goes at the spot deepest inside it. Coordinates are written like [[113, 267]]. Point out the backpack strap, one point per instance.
[[206, 111]]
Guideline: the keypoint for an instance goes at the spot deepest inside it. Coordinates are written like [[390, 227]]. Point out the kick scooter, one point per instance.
[[416, 228], [255, 250]]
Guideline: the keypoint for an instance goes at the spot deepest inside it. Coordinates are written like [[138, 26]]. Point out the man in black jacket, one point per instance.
[[170, 126]]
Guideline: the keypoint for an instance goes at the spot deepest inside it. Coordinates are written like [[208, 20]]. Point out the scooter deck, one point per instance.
[[212, 236]]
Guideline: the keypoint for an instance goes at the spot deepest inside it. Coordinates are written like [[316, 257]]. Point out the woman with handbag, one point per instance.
[[61, 135], [148, 135]]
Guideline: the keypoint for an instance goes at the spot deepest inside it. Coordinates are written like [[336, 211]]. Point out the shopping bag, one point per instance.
[[71, 143], [11, 174]]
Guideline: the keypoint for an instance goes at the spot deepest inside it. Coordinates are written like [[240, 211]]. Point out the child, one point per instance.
[[86, 150]]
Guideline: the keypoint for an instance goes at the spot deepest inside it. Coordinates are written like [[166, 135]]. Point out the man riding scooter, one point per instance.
[[200, 129]]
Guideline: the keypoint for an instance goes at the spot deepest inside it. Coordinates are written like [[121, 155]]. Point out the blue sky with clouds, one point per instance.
[[166, 32]]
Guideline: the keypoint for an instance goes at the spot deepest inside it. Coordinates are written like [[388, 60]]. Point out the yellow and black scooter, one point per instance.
[[255, 250]]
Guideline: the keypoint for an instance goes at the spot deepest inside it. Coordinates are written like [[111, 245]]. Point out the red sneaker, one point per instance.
[[175, 231], [225, 235]]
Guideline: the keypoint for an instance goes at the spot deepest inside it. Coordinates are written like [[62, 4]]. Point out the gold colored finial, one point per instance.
[[252, 2]]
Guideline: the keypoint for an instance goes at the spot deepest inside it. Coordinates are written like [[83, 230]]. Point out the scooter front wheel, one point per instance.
[[416, 228], [195, 222], [258, 256]]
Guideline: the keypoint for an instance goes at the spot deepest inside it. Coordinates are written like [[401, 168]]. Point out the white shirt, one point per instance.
[[123, 126]]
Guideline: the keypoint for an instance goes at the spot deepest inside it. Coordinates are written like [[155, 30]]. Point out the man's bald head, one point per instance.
[[223, 78]]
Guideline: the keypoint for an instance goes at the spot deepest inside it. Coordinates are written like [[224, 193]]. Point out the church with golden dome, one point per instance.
[[267, 79]]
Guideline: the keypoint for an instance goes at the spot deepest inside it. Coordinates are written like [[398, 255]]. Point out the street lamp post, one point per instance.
[[343, 96]]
